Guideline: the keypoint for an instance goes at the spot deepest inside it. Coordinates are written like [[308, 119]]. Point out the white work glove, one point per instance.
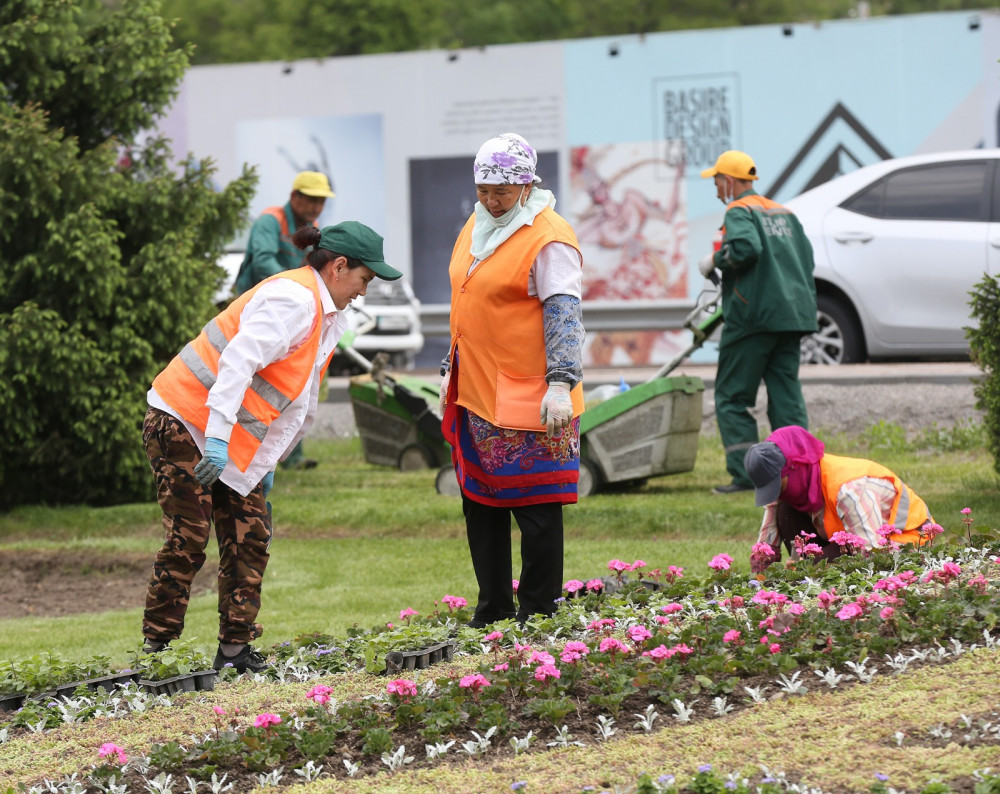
[[443, 393], [557, 408], [706, 265]]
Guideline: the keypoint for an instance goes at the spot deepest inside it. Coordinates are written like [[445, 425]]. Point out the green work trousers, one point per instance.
[[743, 364]]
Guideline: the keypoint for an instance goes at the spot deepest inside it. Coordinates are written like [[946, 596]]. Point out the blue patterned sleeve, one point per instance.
[[562, 318]]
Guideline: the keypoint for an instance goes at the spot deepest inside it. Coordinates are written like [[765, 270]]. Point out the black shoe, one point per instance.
[[733, 487], [152, 646], [476, 624], [247, 659]]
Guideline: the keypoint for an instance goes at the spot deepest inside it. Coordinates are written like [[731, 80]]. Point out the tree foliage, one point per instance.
[[235, 31], [107, 247], [984, 348]]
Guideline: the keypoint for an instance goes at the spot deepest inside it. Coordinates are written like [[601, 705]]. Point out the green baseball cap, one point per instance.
[[357, 241]]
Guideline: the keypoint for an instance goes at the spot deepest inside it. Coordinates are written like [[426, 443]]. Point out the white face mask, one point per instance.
[[727, 191], [509, 215]]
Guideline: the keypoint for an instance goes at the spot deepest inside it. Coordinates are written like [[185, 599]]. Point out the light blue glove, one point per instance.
[[213, 462], [267, 483]]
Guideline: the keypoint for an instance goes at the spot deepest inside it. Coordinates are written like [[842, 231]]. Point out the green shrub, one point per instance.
[[107, 247], [984, 347]]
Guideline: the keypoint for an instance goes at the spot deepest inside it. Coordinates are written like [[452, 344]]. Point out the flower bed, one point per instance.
[[631, 661]]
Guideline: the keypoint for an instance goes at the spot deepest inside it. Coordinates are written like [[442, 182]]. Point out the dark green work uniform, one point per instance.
[[768, 304]]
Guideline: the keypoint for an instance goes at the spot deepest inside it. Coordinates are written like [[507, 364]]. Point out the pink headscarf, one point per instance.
[[802, 451]]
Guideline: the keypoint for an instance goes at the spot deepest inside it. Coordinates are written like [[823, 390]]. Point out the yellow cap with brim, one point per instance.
[[313, 183], [738, 165]]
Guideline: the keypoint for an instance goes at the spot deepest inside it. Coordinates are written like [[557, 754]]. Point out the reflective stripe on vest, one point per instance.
[[908, 510], [185, 382]]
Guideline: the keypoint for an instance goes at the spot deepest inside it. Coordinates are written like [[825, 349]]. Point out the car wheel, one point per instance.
[[838, 340], [590, 479]]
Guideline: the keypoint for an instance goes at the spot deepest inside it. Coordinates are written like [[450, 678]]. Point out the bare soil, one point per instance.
[[58, 583]]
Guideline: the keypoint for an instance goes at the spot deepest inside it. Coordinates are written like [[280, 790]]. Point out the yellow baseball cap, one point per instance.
[[736, 164], [313, 183]]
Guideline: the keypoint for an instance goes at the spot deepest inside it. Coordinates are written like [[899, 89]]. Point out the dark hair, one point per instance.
[[306, 236]]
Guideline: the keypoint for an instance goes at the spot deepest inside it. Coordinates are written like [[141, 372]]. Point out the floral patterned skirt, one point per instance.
[[509, 468]]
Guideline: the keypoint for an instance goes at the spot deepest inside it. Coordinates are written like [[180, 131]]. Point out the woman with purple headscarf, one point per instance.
[[810, 496], [512, 391]]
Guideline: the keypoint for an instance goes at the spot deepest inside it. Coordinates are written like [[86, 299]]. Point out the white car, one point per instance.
[[899, 245], [387, 319]]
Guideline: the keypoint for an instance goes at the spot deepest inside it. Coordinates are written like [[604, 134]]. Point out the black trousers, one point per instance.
[[488, 529]]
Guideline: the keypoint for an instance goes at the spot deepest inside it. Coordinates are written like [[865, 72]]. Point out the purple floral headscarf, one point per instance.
[[507, 159]]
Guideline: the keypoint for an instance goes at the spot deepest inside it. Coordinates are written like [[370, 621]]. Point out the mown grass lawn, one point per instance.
[[355, 543]]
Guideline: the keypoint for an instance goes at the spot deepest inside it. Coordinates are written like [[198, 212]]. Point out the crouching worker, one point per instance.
[[810, 495], [225, 411]]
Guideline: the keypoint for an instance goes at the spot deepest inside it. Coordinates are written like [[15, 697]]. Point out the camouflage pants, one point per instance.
[[242, 530]]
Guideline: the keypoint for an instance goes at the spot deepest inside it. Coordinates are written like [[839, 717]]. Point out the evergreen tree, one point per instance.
[[107, 247]]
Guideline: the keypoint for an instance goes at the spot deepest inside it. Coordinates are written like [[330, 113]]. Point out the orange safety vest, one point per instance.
[[185, 382], [908, 510], [497, 328]]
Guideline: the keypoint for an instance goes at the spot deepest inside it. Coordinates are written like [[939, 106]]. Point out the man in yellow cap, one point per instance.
[[768, 304], [270, 250]]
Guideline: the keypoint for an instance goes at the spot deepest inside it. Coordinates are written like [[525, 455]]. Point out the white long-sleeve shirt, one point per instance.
[[275, 322]]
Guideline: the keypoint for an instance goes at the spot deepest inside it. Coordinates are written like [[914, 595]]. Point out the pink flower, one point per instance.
[[811, 550], [541, 657], [635, 566], [966, 511], [619, 566], [732, 603], [721, 562], [828, 598], [732, 636], [402, 687], [639, 634], [406, 614], [887, 613], [573, 586], [774, 647], [503, 667], [109, 749], [574, 651], [219, 710], [850, 612], [682, 649], [514, 584], [762, 552], [662, 620], [546, 671], [672, 607], [266, 720], [493, 636], [659, 653], [596, 585], [674, 572], [319, 694], [931, 531], [769, 598], [474, 683], [454, 602], [847, 540], [979, 583], [612, 646], [602, 623]]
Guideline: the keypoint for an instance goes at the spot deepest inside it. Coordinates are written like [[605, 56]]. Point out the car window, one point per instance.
[[942, 191]]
